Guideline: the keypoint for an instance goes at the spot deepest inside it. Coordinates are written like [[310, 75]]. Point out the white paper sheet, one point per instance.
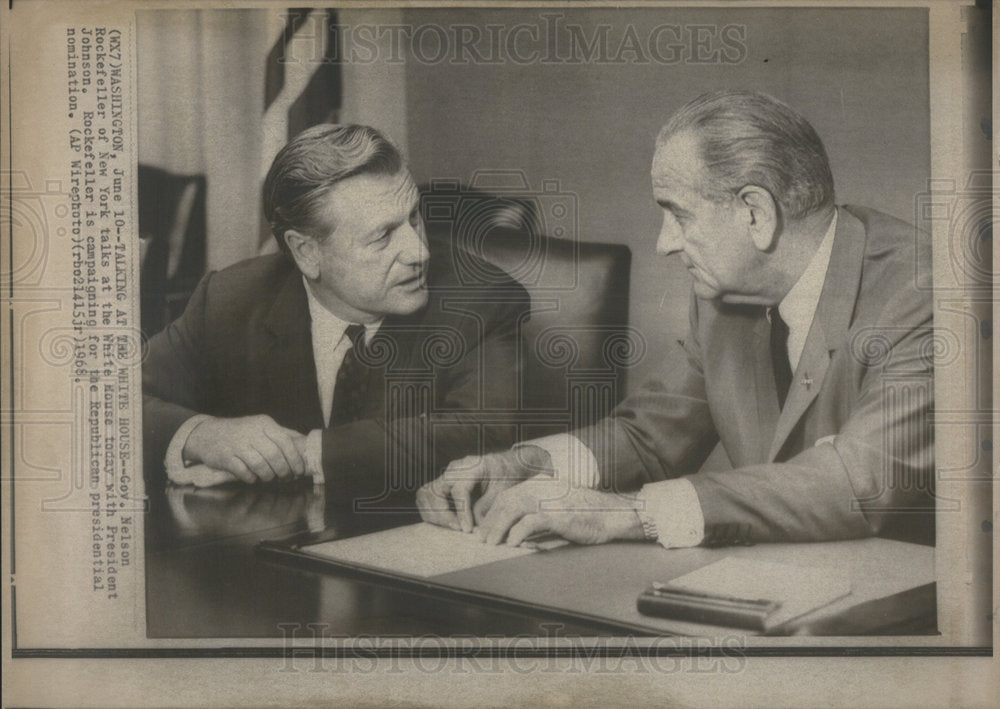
[[420, 549]]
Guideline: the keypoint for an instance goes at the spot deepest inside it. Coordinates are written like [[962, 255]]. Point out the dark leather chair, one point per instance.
[[577, 339], [579, 346], [172, 243]]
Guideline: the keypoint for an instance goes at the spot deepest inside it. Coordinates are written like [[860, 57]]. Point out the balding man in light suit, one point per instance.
[[809, 356]]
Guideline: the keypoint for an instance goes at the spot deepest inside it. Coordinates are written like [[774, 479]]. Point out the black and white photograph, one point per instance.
[[512, 342], [757, 390]]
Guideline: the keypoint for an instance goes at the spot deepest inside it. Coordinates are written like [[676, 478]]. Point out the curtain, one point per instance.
[[220, 91]]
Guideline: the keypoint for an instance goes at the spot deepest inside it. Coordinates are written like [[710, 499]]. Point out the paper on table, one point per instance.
[[799, 589], [420, 549]]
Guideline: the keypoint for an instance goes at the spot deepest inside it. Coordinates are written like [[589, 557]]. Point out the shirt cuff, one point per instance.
[[571, 459], [671, 507], [314, 456]]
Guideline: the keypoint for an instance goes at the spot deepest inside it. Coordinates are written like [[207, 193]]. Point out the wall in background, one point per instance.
[[859, 76], [583, 122]]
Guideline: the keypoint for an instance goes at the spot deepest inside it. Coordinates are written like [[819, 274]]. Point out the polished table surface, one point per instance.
[[204, 579]]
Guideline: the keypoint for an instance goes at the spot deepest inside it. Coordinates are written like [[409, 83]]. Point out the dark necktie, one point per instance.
[[779, 356], [349, 393]]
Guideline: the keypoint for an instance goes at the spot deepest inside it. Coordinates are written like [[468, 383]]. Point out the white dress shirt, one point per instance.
[[325, 327], [671, 507], [799, 305]]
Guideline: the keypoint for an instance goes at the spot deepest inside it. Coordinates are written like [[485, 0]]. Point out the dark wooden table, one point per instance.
[[204, 579]]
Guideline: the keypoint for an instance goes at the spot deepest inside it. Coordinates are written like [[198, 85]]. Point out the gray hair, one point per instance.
[[315, 160], [752, 138]]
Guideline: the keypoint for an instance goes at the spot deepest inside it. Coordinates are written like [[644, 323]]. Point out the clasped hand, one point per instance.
[[249, 449]]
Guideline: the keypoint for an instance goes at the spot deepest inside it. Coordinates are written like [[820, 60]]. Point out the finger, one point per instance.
[[488, 500], [500, 521], [294, 465], [258, 467], [434, 507], [483, 506], [210, 477], [461, 466], [456, 487], [182, 476], [273, 456], [492, 517], [465, 476], [426, 505], [292, 444], [497, 479], [238, 468], [195, 474], [195, 445], [528, 525], [461, 495]]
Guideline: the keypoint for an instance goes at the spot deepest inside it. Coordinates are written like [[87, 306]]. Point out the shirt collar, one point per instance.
[[799, 304], [325, 322]]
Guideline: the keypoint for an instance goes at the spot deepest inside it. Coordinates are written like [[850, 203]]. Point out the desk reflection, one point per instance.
[[182, 515], [204, 580], [231, 510]]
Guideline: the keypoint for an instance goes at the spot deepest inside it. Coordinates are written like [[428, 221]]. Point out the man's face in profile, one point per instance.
[[710, 235], [373, 261]]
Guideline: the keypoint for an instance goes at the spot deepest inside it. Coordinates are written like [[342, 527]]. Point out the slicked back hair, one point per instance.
[[315, 160], [750, 138]]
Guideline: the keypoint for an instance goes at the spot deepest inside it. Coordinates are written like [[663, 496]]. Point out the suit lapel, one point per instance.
[[828, 331], [389, 344], [805, 386], [292, 390]]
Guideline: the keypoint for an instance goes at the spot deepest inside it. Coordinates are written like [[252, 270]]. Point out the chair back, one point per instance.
[[577, 340], [172, 243]]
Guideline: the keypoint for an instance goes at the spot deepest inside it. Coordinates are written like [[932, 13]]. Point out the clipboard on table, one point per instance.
[[599, 585], [378, 557]]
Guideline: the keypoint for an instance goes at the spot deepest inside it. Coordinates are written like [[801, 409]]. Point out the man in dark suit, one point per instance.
[[351, 352], [809, 355]]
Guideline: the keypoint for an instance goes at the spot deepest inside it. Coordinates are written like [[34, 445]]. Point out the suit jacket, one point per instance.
[[851, 454], [243, 346]]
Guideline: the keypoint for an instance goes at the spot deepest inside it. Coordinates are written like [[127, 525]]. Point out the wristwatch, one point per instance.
[[649, 532]]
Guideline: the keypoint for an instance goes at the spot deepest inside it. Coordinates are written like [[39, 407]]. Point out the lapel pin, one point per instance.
[[806, 381]]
